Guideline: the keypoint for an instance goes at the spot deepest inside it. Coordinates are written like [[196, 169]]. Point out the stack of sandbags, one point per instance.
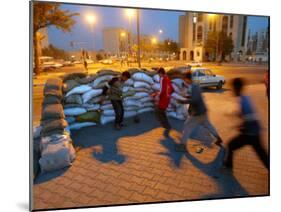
[[83, 105], [53, 125], [142, 84], [57, 152]]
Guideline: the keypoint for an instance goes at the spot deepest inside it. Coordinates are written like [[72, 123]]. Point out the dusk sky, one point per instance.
[[150, 23]]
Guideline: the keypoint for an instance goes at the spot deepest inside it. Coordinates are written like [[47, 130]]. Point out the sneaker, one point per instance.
[[180, 148]]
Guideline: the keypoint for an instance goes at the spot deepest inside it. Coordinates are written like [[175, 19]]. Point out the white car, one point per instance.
[[195, 64], [48, 62], [206, 78], [106, 61]]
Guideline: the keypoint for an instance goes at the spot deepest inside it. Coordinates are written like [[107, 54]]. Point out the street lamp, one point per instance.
[[91, 19], [130, 13], [160, 31]]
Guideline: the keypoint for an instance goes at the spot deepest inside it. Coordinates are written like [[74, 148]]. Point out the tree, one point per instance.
[[55, 52], [169, 45], [219, 44], [45, 15]]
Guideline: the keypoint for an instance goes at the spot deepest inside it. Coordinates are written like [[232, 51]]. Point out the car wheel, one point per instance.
[[219, 86]]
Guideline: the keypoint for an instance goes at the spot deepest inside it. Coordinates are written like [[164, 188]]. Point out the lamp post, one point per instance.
[[91, 19], [138, 35], [130, 14]]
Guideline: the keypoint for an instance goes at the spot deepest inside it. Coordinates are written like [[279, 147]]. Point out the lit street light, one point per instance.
[[130, 13], [91, 19], [154, 40], [160, 31]]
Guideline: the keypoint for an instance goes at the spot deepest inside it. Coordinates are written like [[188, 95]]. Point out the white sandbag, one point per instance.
[[178, 97], [139, 76], [182, 109], [91, 107], [91, 94], [139, 84], [79, 125], [147, 109], [156, 86], [133, 98], [37, 131], [147, 104], [128, 103], [143, 90], [70, 119], [74, 111], [101, 79], [178, 82], [95, 100], [129, 82], [146, 99], [108, 113], [106, 107], [156, 78], [131, 108], [79, 90], [106, 119], [141, 94], [175, 115], [176, 88], [128, 114], [57, 153], [127, 88]]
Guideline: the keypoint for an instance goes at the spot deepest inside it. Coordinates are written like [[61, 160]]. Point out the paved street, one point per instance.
[[139, 164]]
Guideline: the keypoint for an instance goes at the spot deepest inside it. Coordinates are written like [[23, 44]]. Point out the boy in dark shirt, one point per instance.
[[249, 129], [114, 91]]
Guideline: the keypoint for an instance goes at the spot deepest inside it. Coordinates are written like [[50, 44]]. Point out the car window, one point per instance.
[[201, 73], [208, 73], [194, 74]]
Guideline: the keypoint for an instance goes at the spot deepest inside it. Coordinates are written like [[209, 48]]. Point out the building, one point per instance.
[[258, 46], [195, 27], [115, 40]]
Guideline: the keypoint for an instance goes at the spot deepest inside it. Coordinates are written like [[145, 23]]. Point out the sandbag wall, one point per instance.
[[84, 105], [55, 145]]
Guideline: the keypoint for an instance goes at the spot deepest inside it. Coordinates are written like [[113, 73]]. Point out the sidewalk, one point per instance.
[[139, 164]]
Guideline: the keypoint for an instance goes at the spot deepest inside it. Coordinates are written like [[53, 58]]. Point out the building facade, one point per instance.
[[115, 40], [194, 29], [258, 46]]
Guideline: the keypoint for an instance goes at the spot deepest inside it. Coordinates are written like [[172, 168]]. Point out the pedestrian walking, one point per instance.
[[114, 91], [249, 129], [163, 98], [197, 114]]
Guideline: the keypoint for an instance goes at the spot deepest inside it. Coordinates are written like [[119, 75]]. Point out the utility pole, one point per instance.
[[138, 37]]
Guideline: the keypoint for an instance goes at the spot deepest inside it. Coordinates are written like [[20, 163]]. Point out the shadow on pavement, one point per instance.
[[228, 186], [107, 137]]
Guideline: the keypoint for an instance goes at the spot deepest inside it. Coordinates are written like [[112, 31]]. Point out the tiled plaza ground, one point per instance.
[[139, 164]]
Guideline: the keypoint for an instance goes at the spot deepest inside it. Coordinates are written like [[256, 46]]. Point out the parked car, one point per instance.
[[67, 63], [106, 61], [195, 64], [49, 63], [206, 78]]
